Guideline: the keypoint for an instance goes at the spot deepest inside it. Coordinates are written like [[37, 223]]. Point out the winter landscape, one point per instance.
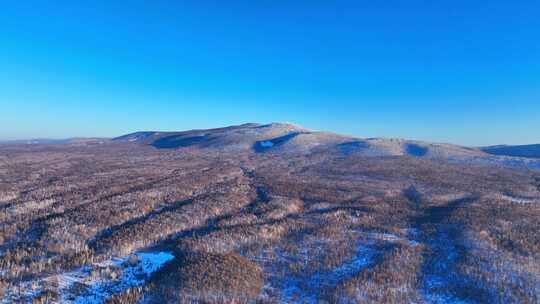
[[270, 152], [271, 213]]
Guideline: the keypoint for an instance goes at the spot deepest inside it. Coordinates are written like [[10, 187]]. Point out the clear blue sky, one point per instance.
[[461, 71]]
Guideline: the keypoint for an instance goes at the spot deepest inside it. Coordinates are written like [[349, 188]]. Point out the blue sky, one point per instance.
[[465, 72]]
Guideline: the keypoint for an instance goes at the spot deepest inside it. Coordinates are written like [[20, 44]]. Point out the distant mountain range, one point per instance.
[[289, 138], [49, 141]]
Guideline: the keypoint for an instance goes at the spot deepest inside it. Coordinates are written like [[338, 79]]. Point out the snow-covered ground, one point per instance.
[[498, 161], [266, 144], [306, 289], [519, 200], [439, 273], [96, 282], [307, 286]]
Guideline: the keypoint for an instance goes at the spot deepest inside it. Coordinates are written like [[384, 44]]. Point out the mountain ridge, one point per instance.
[[528, 151], [290, 138]]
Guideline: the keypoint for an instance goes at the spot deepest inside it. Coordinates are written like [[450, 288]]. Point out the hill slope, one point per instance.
[[266, 214], [530, 151], [291, 139]]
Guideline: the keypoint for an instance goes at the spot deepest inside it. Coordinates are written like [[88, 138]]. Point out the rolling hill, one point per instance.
[[529, 151], [266, 213], [295, 140]]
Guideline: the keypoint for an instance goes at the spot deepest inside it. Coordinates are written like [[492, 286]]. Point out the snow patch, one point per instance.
[[97, 282], [135, 271], [519, 200], [266, 144], [392, 238]]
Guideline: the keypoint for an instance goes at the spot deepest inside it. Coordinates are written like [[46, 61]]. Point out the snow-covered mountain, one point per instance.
[[292, 139], [531, 151]]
